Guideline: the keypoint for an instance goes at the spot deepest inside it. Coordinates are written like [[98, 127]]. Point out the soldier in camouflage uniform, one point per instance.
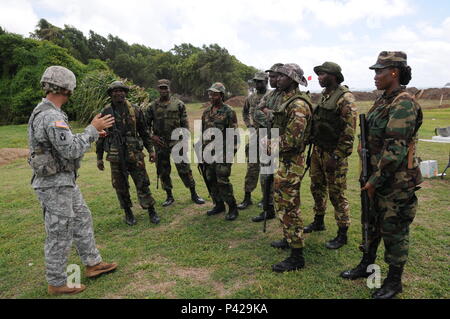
[[263, 114], [123, 145], [55, 156], [222, 117], [248, 114], [293, 119], [334, 124], [163, 116], [392, 127]]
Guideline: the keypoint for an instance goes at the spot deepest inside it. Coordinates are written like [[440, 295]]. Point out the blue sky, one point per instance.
[[263, 32]]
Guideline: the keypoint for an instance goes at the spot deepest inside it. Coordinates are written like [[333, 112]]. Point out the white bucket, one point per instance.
[[429, 168]]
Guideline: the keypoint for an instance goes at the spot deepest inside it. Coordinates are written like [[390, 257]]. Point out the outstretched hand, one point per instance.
[[102, 122]]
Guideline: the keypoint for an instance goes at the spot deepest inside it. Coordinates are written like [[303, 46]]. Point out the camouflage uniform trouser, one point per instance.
[[252, 175], [164, 167], [335, 183], [217, 175], [263, 168], [390, 220], [67, 219], [139, 175], [287, 182]]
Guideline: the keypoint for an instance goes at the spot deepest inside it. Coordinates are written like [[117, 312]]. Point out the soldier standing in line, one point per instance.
[[55, 156], [163, 116], [392, 133], [124, 147], [293, 119], [248, 114], [222, 117], [263, 114], [334, 124]]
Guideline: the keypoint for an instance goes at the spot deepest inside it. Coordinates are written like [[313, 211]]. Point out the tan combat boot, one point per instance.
[[64, 290], [100, 268]]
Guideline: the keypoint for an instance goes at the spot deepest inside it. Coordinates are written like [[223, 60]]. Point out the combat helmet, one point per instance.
[[117, 85], [217, 87], [60, 77]]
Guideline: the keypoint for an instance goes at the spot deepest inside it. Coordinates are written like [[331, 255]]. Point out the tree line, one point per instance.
[[95, 58]]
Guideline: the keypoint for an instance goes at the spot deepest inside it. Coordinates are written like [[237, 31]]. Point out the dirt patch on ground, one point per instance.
[[7, 155], [236, 101]]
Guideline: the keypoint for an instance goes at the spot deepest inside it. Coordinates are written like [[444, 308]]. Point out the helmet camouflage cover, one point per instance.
[[217, 87], [117, 85], [56, 77]]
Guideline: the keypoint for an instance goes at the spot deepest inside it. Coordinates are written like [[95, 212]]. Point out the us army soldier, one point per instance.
[[55, 156]]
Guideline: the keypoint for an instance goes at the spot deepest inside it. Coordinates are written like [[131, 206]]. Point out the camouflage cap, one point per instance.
[[217, 87], [293, 71], [390, 59], [260, 76], [330, 68], [274, 67], [117, 85], [163, 82], [59, 76]]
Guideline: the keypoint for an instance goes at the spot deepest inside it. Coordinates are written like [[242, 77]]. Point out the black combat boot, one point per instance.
[[129, 217], [260, 204], [281, 244], [294, 262], [392, 285], [233, 212], [340, 240], [360, 271], [316, 225], [195, 198], [246, 202], [169, 200], [217, 209], [154, 218], [270, 215]]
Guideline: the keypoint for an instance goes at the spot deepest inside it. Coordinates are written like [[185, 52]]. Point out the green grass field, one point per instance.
[[190, 255]]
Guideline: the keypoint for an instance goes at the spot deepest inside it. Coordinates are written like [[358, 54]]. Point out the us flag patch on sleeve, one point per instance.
[[61, 124]]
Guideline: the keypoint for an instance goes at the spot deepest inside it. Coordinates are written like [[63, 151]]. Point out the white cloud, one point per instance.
[[260, 32], [17, 16], [401, 35], [339, 13]]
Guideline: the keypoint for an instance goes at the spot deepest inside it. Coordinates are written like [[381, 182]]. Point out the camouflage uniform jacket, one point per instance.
[[129, 126], [49, 130], [392, 126], [222, 118], [248, 111], [270, 100], [164, 117], [349, 113], [294, 123]]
